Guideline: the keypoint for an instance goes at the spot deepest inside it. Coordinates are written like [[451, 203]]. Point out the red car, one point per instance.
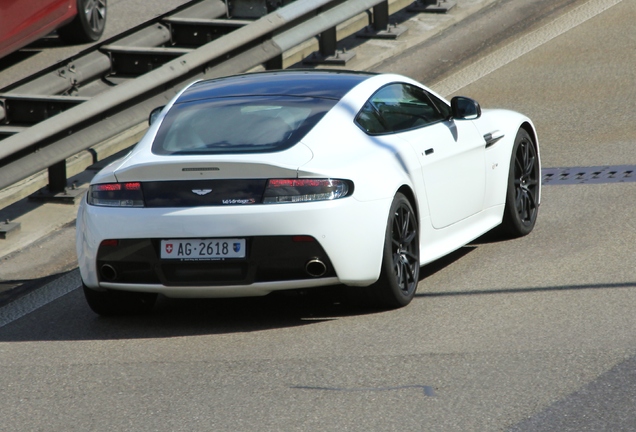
[[25, 21]]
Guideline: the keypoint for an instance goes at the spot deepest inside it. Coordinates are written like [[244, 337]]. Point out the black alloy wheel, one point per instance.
[[88, 26], [522, 199], [401, 259]]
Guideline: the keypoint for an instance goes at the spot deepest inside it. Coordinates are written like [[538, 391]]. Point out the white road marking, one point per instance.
[[516, 49], [40, 297]]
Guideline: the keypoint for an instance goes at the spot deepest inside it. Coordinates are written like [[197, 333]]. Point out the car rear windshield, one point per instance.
[[253, 124]]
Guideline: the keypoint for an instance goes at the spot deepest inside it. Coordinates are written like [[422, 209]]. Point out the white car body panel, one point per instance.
[[450, 167], [143, 165]]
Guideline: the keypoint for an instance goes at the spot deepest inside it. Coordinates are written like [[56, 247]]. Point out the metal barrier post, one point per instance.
[[57, 190], [381, 16], [328, 53], [432, 6], [381, 28], [275, 63], [327, 42], [57, 177]]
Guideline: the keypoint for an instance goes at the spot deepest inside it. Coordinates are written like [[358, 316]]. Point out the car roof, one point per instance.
[[308, 83]]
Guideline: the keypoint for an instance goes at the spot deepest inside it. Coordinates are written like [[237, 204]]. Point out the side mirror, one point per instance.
[[154, 114], [463, 108]]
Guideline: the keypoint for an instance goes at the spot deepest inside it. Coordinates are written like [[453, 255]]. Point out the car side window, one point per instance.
[[370, 120], [442, 106], [400, 107]]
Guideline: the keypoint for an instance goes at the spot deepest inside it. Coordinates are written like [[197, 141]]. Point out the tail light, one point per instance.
[[116, 195], [305, 190], [130, 194]]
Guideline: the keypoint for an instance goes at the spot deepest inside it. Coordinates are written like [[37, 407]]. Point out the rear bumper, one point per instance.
[[222, 291], [349, 239], [268, 259]]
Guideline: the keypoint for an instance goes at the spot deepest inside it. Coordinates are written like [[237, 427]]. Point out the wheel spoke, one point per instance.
[[411, 255], [409, 238], [404, 222], [404, 249], [399, 270], [531, 202], [518, 168], [526, 153], [521, 205], [525, 210], [396, 265], [525, 181], [526, 205], [529, 167], [404, 274], [410, 273], [403, 283]]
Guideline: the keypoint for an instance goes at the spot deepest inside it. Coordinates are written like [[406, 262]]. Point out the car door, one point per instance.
[[451, 152]]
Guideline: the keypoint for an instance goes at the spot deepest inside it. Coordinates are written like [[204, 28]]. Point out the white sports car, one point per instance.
[[297, 179]]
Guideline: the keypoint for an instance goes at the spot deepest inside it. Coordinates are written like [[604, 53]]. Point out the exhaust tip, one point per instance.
[[108, 273], [315, 267]]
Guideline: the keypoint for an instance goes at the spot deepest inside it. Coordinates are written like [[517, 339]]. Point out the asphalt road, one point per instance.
[[524, 335]]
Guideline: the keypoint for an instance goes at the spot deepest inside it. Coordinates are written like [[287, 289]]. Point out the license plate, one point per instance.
[[203, 249]]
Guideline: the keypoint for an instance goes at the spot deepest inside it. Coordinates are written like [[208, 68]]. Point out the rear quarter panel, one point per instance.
[[378, 166]]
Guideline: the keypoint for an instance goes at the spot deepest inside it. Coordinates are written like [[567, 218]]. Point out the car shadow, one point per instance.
[[279, 309], [495, 235], [69, 318], [14, 58]]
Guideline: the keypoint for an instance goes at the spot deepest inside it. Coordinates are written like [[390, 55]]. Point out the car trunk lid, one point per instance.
[[191, 181]]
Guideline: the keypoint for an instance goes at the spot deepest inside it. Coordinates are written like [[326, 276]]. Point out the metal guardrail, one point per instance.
[[77, 108]]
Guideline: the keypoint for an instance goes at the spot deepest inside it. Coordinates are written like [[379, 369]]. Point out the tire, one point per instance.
[[88, 25], [400, 271], [522, 207], [115, 303]]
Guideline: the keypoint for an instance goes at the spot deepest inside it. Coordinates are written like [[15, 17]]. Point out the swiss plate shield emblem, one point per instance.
[[169, 247], [236, 247]]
